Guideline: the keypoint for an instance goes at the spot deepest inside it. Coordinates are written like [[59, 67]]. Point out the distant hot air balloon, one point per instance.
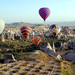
[[2, 25], [25, 30], [44, 13], [54, 29], [36, 40]]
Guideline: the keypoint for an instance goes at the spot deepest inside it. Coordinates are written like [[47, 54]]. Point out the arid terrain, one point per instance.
[[20, 56]]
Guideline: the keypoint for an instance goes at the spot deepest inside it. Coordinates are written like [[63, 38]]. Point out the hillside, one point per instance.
[[18, 24], [52, 66], [70, 23]]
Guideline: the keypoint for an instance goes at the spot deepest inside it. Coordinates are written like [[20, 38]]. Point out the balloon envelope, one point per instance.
[[36, 40], [2, 25], [44, 13], [54, 29], [25, 30]]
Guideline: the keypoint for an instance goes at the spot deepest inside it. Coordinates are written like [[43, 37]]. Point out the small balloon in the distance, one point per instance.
[[2, 25]]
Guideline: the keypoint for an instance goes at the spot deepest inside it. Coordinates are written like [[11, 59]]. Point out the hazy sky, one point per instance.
[[27, 10]]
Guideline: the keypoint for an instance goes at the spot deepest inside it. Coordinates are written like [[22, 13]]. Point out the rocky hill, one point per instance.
[[18, 24]]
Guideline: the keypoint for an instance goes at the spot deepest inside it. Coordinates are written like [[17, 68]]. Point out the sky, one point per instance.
[[28, 10]]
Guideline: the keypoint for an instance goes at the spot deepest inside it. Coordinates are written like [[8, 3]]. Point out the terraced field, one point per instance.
[[31, 68]]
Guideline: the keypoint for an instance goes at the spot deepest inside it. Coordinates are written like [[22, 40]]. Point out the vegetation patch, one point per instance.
[[16, 64], [6, 69], [1, 66], [15, 71], [52, 66], [33, 74], [32, 66], [40, 67], [11, 74], [24, 65], [57, 74], [59, 60], [58, 70], [45, 72], [28, 69], [24, 73], [27, 62], [50, 69], [12, 66], [19, 68], [1, 73], [37, 70]]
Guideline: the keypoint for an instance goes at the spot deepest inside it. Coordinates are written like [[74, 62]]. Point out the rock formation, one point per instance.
[[9, 37], [71, 44], [2, 38], [9, 58], [70, 55], [53, 47], [48, 49]]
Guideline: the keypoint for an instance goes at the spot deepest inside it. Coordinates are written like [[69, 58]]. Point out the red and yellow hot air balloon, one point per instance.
[[36, 40], [25, 30]]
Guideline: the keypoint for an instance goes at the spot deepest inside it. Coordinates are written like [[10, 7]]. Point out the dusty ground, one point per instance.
[[23, 66]]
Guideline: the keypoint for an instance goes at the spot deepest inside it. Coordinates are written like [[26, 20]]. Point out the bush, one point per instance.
[[45, 73], [43, 65], [28, 69], [10, 74], [12, 66], [15, 71], [57, 74], [59, 67], [1, 66], [37, 70], [1, 56], [1, 60], [6, 69], [24, 65], [52, 66], [32, 66], [50, 69], [19, 68], [33, 74], [27, 62], [1, 73], [40, 67], [67, 73], [58, 70], [24, 73], [64, 67], [59, 60]]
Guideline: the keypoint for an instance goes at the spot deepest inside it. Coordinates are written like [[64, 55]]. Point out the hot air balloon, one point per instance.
[[44, 13], [36, 40], [54, 34], [54, 29], [2, 25], [25, 30]]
